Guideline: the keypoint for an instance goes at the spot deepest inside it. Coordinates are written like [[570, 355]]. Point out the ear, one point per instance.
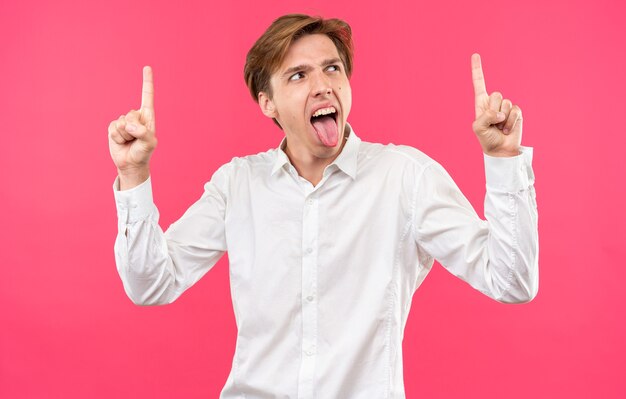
[[267, 105]]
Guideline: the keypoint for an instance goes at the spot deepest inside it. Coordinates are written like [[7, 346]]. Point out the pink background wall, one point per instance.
[[67, 329]]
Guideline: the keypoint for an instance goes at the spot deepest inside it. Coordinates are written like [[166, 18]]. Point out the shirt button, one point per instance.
[[309, 250], [310, 202], [310, 298], [309, 352]]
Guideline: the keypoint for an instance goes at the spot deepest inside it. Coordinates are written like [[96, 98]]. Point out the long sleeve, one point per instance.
[[157, 267], [499, 256]]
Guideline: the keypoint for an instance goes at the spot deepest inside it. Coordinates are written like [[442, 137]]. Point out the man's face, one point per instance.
[[310, 81]]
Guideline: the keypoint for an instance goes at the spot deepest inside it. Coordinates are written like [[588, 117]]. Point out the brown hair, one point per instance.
[[268, 52]]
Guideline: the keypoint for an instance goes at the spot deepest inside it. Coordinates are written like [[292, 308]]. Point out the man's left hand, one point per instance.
[[498, 123]]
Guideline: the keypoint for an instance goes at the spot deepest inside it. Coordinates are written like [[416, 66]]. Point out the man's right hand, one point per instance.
[[132, 138]]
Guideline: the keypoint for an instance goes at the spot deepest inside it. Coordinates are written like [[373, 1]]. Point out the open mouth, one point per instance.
[[324, 122]]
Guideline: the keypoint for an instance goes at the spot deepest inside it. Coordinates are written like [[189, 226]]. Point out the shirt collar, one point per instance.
[[346, 161]]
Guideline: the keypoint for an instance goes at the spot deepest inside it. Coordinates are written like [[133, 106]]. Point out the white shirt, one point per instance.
[[322, 277]]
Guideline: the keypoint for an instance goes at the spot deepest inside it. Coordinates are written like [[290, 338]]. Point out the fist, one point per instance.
[[132, 137], [498, 123]]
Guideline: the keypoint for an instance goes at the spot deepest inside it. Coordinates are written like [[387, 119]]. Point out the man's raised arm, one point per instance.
[[498, 257], [156, 267]]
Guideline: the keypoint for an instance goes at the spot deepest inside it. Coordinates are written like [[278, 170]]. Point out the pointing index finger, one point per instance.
[[480, 89], [147, 89]]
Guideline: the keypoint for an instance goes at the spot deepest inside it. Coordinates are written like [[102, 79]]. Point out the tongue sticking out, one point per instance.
[[326, 129]]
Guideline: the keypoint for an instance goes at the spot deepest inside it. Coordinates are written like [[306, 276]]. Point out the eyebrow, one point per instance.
[[306, 67]]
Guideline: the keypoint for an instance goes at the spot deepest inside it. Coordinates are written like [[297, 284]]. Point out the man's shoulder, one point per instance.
[[395, 154], [252, 161], [244, 167]]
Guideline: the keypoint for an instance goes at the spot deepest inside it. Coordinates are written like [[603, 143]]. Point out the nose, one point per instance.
[[321, 85]]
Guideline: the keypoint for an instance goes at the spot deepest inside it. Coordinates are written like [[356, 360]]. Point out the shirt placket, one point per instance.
[[310, 231]]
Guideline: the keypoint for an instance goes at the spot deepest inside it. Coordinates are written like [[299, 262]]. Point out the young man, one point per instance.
[[328, 236]]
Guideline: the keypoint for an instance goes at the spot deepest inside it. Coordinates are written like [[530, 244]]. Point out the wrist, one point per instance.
[[503, 154], [130, 178]]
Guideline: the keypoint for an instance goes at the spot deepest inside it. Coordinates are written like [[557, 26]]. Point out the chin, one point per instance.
[[327, 152]]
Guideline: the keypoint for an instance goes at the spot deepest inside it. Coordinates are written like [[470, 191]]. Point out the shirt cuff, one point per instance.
[[510, 174], [135, 203]]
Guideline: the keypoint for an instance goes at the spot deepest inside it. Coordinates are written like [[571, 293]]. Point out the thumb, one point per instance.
[[486, 119]]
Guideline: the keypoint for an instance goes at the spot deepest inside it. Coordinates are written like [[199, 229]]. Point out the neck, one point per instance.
[[309, 166]]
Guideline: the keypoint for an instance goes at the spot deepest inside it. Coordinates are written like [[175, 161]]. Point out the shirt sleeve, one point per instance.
[[157, 267], [499, 256]]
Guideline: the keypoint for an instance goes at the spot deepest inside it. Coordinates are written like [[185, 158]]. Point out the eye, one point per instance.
[[335, 68], [296, 76]]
